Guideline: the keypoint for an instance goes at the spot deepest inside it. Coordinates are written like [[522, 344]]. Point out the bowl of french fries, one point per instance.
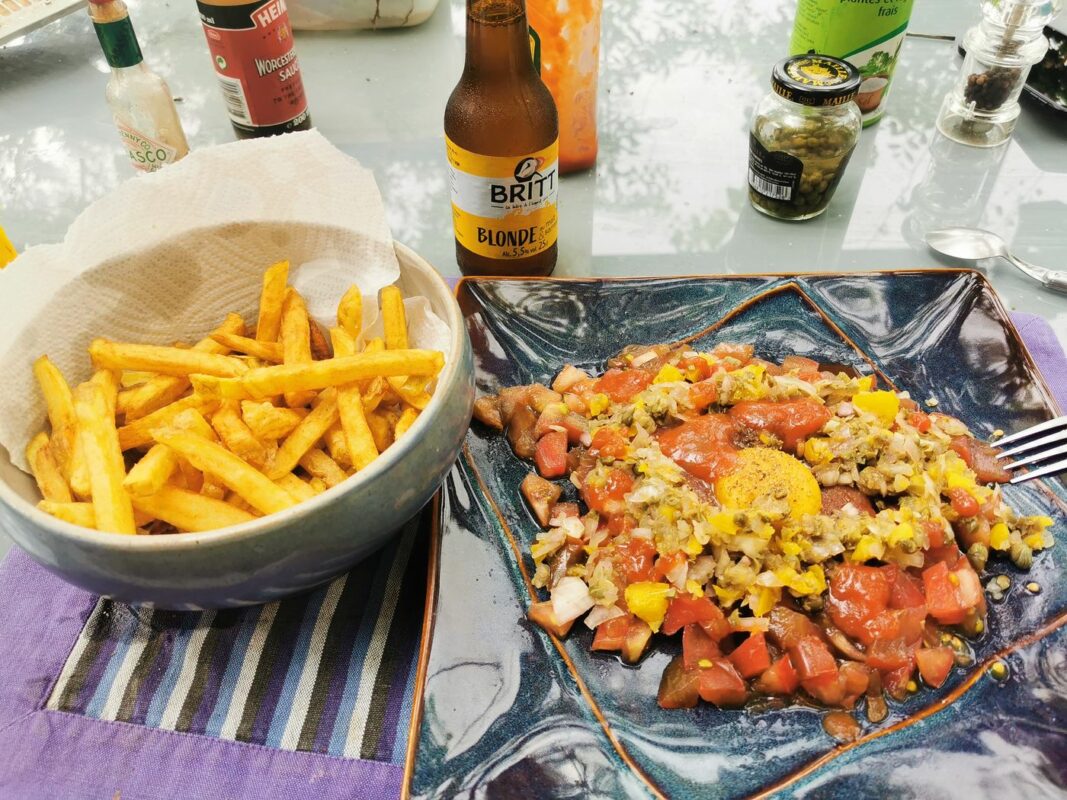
[[254, 460]]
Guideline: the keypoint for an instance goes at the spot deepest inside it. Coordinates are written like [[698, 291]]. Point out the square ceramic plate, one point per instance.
[[505, 710]]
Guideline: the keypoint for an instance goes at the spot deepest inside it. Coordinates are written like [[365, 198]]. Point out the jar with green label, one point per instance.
[[803, 134]]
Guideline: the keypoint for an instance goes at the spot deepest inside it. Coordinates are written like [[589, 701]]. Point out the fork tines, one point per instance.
[[1038, 451]]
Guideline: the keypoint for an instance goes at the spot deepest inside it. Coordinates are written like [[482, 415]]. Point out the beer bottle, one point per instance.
[[502, 138]]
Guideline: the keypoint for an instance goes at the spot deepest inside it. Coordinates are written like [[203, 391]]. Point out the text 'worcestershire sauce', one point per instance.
[[502, 139]]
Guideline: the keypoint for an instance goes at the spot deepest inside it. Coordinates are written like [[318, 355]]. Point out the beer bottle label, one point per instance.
[[504, 206]]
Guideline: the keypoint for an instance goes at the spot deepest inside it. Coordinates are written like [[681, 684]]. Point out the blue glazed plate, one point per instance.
[[507, 711]]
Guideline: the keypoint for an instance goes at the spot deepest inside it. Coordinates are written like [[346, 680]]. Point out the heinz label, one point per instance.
[[257, 68], [504, 206]]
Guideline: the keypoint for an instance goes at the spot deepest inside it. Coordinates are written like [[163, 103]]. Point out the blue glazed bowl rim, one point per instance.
[[179, 543]]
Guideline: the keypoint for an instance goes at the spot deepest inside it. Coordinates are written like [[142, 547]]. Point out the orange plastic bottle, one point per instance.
[[567, 33]]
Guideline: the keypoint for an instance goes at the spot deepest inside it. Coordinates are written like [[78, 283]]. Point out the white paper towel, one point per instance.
[[165, 256]]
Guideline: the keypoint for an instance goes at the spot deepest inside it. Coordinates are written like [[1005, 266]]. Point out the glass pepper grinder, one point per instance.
[[983, 106]]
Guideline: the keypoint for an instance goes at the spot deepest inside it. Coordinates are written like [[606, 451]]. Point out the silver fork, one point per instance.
[[1053, 445]]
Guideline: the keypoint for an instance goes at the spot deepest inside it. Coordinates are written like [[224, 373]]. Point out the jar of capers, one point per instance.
[[803, 134]]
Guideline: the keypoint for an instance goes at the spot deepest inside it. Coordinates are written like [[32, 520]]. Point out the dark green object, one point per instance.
[[119, 43]]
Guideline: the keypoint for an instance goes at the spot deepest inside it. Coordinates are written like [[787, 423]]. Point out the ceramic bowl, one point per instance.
[[282, 553]]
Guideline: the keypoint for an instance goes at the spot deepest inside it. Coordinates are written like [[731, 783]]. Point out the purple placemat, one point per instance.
[[306, 698]]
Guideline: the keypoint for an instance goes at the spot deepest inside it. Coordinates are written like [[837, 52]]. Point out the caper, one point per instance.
[[1021, 555], [978, 555]]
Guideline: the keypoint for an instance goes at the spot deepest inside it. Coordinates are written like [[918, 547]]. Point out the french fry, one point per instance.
[[150, 473], [237, 475], [267, 351], [268, 421], [380, 429], [161, 390], [161, 359], [337, 442], [193, 421], [80, 483], [75, 513], [132, 377], [108, 380], [45, 469], [298, 489], [361, 450], [103, 454], [212, 487], [321, 466], [374, 392], [305, 435], [189, 511], [350, 313], [296, 342], [394, 320], [59, 403], [219, 389], [407, 419], [239, 502], [318, 485], [139, 433], [320, 348], [237, 436], [271, 298], [268, 381]]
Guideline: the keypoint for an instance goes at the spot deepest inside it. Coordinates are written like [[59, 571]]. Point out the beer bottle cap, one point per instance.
[[815, 80]]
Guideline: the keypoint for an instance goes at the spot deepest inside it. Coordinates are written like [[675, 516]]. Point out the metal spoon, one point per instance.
[[973, 244]]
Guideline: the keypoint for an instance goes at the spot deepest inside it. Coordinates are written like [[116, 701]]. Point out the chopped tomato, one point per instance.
[[703, 394], [908, 404], [695, 368], [679, 687], [608, 499], [790, 421], [934, 532], [621, 385], [982, 458], [919, 421], [633, 560], [906, 624], [888, 654], [609, 443], [667, 564], [742, 352], [895, 681], [787, 627], [907, 591], [834, 498], [935, 663], [857, 594], [551, 454], [856, 678], [812, 658], [697, 646], [720, 684], [751, 657], [949, 553], [963, 503], [780, 678], [944, 600], [968, 586], [620, 523], [637, 638], [565, 511], [807, 370], [611, 635], [542, 614], [703, 447]]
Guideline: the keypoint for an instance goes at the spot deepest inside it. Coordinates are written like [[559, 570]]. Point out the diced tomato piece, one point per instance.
[[620, 524], [856, 678], [912, 623], [982, 458], [703, 446], [565, 511], [968, 586], [667, 564], [752, 656], [703, 394], [609, 443], [551, 454], [686, 609], [963, 503], [720, 684], [679, 687], [884, 625], [943, 599], [621, 385], [934, 532], [812, 658], [542, 614], [637, 639], [907, 591], [633, 560], [742, 352], [697, 646], [935, 663], [611, 635], [807, 370], [857, 594], [780, 678], [787, 627], [695, 368], [828, 689], [790, 421], [888, 654], [895, 681], [834, 498], [949, 553], [919, 421], [608, 499]]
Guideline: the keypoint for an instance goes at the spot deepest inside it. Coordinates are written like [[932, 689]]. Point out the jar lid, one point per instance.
[[815, 80]]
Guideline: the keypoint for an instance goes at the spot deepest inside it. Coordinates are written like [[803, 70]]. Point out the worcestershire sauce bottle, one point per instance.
[[502, 138], [251, 44]]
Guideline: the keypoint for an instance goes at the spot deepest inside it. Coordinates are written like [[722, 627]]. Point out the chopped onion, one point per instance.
[[845, 410], [572, 526], [678, 575], [750, 624], [644, 358], [641, 533], [585, 439], [601, 614], [569, 376], [570, 599], [591, 523]]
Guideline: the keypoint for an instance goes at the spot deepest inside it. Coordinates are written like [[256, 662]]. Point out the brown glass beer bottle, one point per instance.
[[502, 138]]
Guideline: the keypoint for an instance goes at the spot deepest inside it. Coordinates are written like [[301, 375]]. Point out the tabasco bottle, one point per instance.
[[251, 44], [502, 140]]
